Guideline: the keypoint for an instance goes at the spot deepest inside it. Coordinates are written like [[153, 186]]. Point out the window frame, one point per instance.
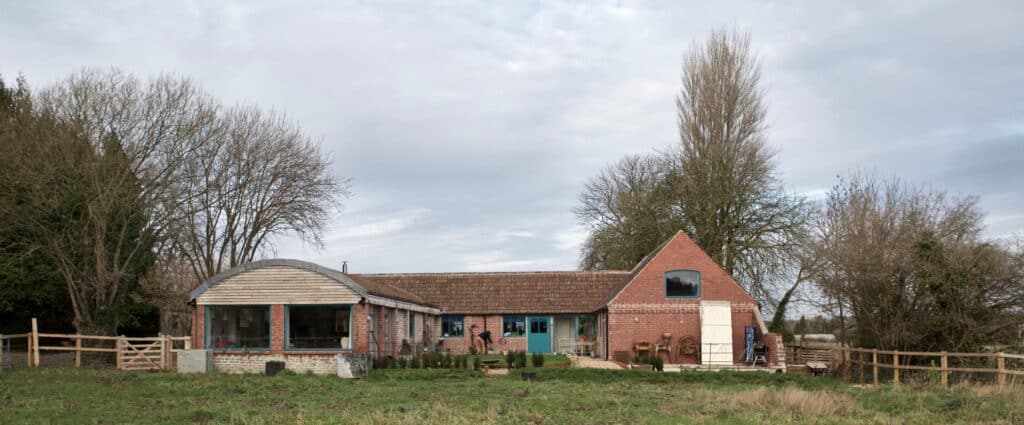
[[700, 284], [508, 318], [288, 325], [451, 317], [208, 325]]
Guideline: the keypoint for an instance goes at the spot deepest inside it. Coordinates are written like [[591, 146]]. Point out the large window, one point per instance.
[[238, 327], [452, 326], [513, 325], [682, 284], [319, 327]]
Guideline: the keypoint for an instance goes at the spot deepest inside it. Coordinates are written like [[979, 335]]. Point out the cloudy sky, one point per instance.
[[468, 128]]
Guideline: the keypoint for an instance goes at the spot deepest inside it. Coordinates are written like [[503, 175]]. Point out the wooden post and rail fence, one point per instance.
[[130, 353], [863, 359]]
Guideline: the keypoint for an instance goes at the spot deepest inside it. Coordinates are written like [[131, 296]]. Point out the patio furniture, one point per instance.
[[566, 345], [584, 346], [688, 347], [760, 354], [642, 347], [664, 345]]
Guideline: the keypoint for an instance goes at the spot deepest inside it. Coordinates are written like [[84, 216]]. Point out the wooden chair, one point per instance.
[[688, 347], [642, 347]]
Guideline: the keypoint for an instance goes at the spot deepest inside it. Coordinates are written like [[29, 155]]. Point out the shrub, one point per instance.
[[521, 359], [414, 363], [402, 363], [510, 359], [657, 363], [538, 360], [476, 363]]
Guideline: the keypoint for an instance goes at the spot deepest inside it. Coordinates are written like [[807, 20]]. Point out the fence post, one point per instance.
[[874, 365], [1001, 363], [78, 349], [35, 342], [118, 348], [860, 367], [896, 367], [944, 363], [165, 350], [28, 351]]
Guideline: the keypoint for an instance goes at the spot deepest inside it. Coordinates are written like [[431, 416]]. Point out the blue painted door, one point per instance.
[[539, 339]]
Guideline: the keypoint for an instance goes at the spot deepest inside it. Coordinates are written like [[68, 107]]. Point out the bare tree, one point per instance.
[[909, 268], [259, 177], [626, 208], [92, 174], [166, 286]]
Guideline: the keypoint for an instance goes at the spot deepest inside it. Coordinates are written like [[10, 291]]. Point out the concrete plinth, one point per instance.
[[195, 361], [353, 365]]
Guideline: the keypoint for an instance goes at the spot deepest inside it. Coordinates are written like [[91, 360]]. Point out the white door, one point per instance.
[[716, 333]]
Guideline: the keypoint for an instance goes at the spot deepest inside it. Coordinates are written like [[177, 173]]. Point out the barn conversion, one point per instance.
[[676, 303]]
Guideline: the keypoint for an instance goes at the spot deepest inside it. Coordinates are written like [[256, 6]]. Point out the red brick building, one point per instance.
[[305, 315]]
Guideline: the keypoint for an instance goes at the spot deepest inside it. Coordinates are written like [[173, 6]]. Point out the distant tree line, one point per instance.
[[895, 266], [118, 195]]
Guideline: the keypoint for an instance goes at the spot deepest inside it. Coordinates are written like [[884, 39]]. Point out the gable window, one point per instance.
[[452, 326], [513, 325], [682, 284], [318, 327], [233, 327]]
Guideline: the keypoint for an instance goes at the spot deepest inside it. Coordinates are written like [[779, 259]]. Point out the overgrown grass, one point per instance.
[[61, 395]]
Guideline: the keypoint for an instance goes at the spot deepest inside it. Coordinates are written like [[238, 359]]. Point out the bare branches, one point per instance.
[[719, 184], [910, 267], [259, 178], [724, 179], [110, 173]]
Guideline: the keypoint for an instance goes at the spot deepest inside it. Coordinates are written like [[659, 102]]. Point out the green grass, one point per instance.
[[62, 395], [550, 360]]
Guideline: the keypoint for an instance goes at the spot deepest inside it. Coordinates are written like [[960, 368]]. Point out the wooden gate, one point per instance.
[[147, 353]]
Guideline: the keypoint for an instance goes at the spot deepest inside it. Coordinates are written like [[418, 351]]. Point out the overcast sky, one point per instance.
[[469, 128]]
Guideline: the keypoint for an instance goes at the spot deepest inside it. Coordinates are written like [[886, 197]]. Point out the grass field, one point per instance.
[[63, 395]]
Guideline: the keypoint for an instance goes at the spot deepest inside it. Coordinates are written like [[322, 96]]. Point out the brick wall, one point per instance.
[[277, 328], [641, 311], [460, 345]]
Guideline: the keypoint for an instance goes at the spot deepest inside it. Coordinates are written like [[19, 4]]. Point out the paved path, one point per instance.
[[590, 362]]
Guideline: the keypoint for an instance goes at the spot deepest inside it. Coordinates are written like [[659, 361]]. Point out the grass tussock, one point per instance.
[[814, 403]]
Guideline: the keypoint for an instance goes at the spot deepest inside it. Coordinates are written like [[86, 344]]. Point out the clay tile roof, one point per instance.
[[504, 292], [393, 292]]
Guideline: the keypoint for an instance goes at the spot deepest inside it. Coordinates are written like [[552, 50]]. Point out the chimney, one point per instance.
[[344, 267]]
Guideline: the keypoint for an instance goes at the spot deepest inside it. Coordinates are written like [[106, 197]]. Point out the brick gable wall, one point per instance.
[[641, 310]]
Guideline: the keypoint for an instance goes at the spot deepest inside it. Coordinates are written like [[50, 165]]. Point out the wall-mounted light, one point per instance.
[[636, 319]]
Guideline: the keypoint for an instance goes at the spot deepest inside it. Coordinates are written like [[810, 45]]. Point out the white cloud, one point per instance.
[[469, 128]]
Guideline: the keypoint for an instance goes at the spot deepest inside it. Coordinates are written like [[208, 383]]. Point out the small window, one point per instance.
[[682, 284], [539, 326], [238, 327], [513, 326], [323, 327], [452, 326]]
